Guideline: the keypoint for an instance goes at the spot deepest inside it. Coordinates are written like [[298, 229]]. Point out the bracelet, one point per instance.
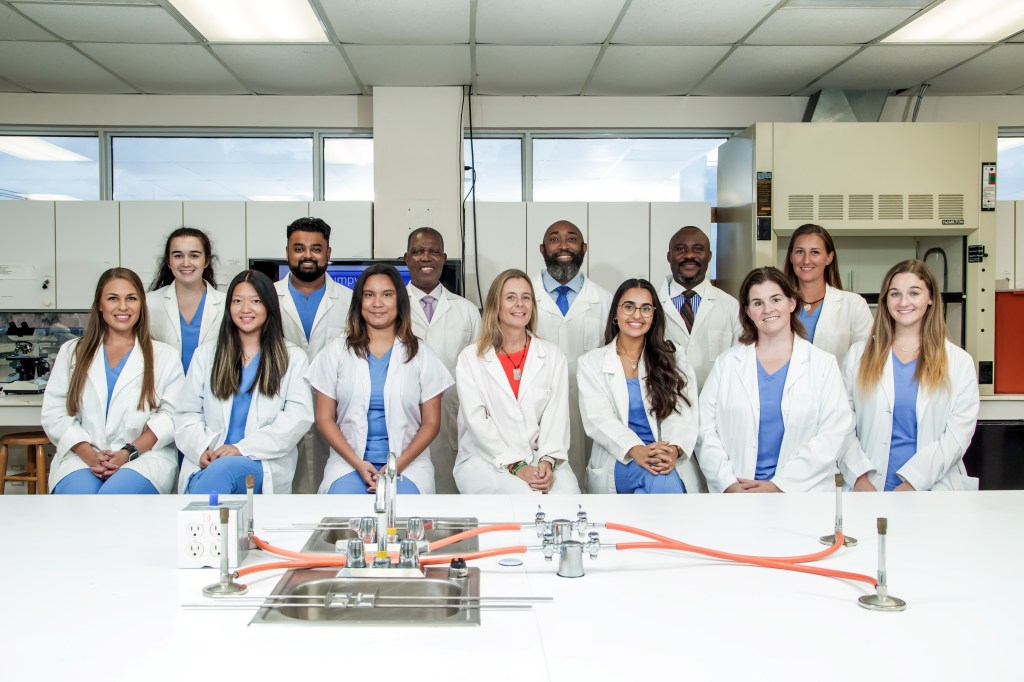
[[516, 466], [550, 460]]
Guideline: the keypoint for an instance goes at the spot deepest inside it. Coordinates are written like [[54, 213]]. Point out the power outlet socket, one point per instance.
[[199, 534]]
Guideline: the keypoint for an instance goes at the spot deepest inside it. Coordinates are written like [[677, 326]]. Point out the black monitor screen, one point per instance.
[[347, 271]]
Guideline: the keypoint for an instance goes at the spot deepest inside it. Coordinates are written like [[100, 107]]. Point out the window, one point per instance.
[[625, 169], [498, 163], [348, 169], [1010, 169], [49, 168], [213, 168]]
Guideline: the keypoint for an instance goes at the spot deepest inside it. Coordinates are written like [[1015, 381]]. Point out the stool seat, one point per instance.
[[35, 474]]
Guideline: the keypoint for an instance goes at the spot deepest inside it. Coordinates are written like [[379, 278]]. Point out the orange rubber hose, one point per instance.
[[325, 562], [267, 547], [744, 558], [431, 560], [444, 542], [754, 561]]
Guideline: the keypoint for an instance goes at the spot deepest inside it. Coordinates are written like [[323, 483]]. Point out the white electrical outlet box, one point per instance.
[[199, 541]]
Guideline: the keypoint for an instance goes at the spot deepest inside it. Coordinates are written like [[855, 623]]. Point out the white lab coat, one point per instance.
[[498, 428], [272, 429], [328, 324], [580, 330], [343, 376], [604, 405], [815, 412], [124, 422], [945, 425], [845, 319], [165, 321], [454, 325], [716, 327]]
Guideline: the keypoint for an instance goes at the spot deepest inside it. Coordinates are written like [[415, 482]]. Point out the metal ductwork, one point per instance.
[[845, 106]]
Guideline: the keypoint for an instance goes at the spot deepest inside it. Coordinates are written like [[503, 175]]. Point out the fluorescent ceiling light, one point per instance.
[[261, 21], [34, 149], [963, 21]]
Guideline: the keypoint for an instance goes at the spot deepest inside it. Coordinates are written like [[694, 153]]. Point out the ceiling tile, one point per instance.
[[290, 69], [652, 71], [55, 67], [896, 66], [533, 71], [13, 26], [542, 22], [166, 69], [423, 65], [108, 23], [827, 26], [695, 22], [399, 22], [998, 71], [7, 86], [771, 71]]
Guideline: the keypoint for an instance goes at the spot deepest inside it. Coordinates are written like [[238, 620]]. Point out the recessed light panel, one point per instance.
[[253, 21], [963, 21]]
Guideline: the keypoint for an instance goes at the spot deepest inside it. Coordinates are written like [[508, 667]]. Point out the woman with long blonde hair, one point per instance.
[[914, 394], [109, 404], [513, 400]]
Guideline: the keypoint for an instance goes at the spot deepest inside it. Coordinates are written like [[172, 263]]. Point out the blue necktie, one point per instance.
[[563, 299]]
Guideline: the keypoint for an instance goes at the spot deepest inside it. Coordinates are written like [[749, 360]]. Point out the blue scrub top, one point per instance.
[[903, 443], [241, 402], [307, 307], [190, 333], [637, 414], [377, 446], [771, 428], [810, 320], [113, 373]]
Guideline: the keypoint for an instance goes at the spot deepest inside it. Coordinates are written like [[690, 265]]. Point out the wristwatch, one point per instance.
[[133, 452]]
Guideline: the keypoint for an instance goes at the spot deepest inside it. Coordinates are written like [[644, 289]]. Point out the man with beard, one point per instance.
[[701, 319], [314, 309], [572, 314], [447, 323]]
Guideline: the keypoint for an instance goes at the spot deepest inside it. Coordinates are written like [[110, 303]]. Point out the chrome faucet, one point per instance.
[[384, 503]]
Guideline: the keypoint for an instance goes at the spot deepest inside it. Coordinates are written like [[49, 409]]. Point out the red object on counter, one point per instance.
[[1009, 360]]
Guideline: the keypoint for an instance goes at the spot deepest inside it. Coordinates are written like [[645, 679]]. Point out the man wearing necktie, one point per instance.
[[701, 319], [571, 311], [447, 323]]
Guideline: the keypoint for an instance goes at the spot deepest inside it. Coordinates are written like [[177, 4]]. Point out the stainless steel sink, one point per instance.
[[324, 541], [318, 596]]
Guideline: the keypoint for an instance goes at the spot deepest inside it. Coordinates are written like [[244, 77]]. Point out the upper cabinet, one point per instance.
[[87, 246], [27, 255]]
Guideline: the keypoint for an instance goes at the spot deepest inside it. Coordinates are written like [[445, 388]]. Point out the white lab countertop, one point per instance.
[[95, 593]]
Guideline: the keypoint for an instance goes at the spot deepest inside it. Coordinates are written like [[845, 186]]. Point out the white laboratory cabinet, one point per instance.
[[266, 224], [144, 228], [619, 242], [351, 228], [224, 223], [27, 257], [539, 217], [86, 247], [501, 229]]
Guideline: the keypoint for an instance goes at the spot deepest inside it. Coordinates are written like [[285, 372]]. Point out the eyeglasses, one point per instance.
[[630, 308]]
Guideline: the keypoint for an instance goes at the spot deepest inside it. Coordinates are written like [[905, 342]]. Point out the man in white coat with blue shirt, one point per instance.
[[314, 309], [447, 323], [702, 320], [572, 311]]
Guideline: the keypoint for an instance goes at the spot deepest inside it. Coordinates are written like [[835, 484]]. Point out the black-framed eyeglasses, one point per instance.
[[630, 308]]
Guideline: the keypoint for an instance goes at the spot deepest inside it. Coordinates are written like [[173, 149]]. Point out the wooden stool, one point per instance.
[[35, 476]]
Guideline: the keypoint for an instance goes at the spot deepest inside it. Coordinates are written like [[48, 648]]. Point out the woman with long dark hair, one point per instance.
[[245, 404], [185, 306], [638, 399], [915, 394], [513, 400], [378, 390], [833, 319], [773, 413], [110, 400]]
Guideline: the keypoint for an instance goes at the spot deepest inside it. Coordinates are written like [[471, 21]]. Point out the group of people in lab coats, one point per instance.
[[558, 386]]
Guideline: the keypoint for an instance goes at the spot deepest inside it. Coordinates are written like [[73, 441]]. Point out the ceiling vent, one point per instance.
[[845, 106]]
